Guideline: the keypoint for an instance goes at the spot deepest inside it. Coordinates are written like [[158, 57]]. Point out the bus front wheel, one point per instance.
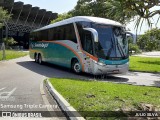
[[76, 67]]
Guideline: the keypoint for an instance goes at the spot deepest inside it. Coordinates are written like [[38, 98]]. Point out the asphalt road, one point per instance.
[[33, 73], [21, 87], [48, 70], [20, 81]]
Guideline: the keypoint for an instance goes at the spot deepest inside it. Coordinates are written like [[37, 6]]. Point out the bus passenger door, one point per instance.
[[88, 42], [87, 45]]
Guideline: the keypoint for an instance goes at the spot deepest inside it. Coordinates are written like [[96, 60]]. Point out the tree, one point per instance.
[[150, 40], [133, 48], [61, 17], [9, 41], [4, 16], [142, 9], [82, 8], [119, 10], [111, 9]]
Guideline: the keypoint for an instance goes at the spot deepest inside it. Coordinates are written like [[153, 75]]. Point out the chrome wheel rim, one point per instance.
[[77, 67]]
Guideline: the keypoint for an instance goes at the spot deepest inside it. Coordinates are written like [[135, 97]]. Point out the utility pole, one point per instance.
[[4, 53], [3, 44]]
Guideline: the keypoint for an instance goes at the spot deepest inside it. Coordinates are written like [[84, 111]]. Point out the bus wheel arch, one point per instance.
[[75, 66]]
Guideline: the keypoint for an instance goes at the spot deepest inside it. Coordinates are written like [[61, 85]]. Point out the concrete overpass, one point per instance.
[[25, 18]]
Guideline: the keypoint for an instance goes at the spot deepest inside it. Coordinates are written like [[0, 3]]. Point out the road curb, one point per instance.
[[66, 107], [144, 72], [2, 61]]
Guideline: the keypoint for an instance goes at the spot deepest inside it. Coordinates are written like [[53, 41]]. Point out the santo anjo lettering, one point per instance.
[[40, 45]]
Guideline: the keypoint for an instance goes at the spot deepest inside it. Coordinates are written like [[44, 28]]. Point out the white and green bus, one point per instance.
[[84, 44]]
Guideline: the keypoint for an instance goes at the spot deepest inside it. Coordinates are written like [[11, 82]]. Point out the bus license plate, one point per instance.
[[115, 71]]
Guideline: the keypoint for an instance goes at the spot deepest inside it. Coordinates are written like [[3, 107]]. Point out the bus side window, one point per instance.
[[55, 34], [70, 33], [31, 36], [36, 38], [64, 33], [50, 34], [44, 35], [61, 33], [63, 30]]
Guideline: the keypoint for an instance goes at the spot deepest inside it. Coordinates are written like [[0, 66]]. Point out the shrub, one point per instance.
[[133, 48], [9, 41], [150, 40]]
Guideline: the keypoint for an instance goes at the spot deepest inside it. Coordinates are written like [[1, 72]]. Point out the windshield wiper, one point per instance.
[[110, 49], [120, 49]]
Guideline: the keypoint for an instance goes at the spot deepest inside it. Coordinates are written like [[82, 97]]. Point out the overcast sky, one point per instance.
[[62, 6]]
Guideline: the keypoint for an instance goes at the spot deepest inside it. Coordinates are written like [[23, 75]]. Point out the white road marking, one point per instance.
[[11, 92], [8, 94], [2, 89]]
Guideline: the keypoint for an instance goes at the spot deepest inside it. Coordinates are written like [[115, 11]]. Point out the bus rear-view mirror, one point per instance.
[[94, 33]]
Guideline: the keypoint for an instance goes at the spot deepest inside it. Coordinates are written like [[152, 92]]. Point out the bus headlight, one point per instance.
[[99, 63], [102, 64]]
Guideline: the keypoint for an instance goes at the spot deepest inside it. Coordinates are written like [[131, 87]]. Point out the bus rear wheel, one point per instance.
[[76, 67], [36, 57], [40, 59]]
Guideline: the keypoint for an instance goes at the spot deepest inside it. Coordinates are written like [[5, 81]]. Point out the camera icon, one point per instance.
[[6, 114]]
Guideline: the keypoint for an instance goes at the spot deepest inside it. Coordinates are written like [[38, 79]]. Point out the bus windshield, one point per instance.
[[112, 43]]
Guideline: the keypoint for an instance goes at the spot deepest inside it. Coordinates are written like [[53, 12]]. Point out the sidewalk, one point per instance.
[[138, 78], [149, 54]]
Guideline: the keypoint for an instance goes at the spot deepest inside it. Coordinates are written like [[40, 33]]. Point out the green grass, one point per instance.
[[103, 96], [144, 64], [11, 54]]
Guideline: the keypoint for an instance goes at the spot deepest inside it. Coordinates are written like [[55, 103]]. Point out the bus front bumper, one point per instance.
[[101, 69]]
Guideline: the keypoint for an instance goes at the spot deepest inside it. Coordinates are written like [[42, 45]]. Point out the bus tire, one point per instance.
[[40, 59], [36, 57], [76, 67]]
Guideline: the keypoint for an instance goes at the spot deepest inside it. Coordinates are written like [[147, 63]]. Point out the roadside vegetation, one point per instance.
[[122, 11], [9, 42], [9, 53], [105, 96], [144, 64], [150, 40], [12, 54]]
